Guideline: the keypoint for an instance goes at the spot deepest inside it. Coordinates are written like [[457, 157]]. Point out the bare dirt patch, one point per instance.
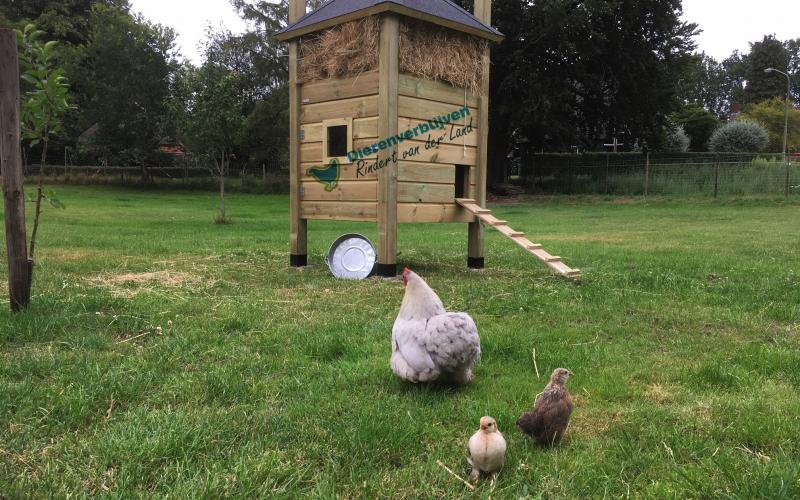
[[130, 284], [658, 394]]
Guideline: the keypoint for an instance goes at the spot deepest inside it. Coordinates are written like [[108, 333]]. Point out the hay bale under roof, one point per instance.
[[426, 51], [345, 50]]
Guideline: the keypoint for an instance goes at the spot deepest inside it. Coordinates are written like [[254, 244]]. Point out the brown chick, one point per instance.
[[548, 420]]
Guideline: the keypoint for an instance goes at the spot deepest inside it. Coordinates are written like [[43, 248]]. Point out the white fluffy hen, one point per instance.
[[429, 343]]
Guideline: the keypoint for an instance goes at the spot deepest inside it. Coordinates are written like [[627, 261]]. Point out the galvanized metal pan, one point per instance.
[[351, 257]]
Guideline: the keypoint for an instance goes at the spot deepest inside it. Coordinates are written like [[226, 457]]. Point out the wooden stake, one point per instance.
[[19, 267]]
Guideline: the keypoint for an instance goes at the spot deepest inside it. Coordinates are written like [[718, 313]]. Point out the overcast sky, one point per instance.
[[726, 24]]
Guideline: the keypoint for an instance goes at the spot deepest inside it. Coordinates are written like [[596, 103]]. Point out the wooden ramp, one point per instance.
[[517, 237]]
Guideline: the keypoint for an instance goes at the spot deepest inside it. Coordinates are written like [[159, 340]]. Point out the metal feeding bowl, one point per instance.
[[351, 257]]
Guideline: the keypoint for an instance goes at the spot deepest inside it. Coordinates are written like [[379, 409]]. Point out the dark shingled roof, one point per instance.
[[445, 11]]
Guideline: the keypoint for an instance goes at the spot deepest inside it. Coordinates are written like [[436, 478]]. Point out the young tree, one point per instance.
[[42, 108], [214, 119]]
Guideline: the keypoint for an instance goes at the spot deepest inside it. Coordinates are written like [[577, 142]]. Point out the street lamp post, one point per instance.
[[788, 100], [785, 151]]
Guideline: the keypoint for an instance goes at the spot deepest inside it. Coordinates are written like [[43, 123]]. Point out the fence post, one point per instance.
[[19, 266], [647, 173], [716, 176], [788, 170], [607, 159]]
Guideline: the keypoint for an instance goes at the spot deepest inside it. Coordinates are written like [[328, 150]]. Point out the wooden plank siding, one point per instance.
[[448, 154], [423, 109], [416, 192], [347, 173], [356, 107], [336, 89], [338, 210], [412, 86], [450, 132], [344, 191], [436, 173], [432, 213], [425, 183]]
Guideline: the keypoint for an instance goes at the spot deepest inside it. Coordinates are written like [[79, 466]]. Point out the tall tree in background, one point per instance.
[[768, 53], [705, 84], [122, 81], [66, 21], [734, 68], [572, 73]]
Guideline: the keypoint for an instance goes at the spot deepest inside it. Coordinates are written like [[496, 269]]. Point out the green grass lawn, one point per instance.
[[684, 338]]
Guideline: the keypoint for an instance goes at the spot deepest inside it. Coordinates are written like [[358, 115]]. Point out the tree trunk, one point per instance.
[[39, 196], [222, 189], [19, 284], [498, 153]]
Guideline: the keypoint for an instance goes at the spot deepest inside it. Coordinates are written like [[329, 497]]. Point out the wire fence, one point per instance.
[[613, 174], [270, 176], [631, 174]]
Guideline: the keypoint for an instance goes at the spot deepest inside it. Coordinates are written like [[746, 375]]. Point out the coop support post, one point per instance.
[[387, 127], [475, 238], [298, 226], [19, 267]]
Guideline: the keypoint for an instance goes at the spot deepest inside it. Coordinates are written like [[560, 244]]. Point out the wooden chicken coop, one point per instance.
[[389, 120]]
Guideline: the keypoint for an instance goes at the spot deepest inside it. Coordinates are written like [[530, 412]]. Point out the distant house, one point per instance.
[[174, 149], [736, 110]]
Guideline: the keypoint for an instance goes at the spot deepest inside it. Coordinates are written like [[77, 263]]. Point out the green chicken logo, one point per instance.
[[328, 176]]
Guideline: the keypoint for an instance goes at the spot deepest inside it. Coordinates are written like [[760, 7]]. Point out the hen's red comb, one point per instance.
[[406, 270]]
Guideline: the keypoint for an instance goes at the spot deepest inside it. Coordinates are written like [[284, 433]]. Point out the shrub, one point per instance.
[[739, 137], [677, 141]]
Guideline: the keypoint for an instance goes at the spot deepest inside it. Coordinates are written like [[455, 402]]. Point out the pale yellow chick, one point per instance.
[[487, 449]]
